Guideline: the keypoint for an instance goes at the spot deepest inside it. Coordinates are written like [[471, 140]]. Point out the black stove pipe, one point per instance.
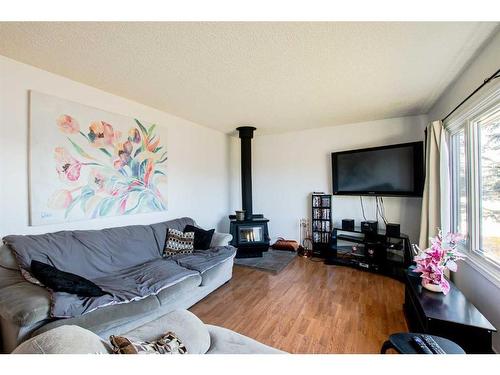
[[246, 135]]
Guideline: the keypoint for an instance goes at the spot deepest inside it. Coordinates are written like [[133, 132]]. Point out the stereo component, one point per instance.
[[392, 230], [347, 224], [369, 226]]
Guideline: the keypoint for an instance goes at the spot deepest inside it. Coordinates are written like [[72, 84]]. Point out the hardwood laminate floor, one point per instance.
[[309, 308]]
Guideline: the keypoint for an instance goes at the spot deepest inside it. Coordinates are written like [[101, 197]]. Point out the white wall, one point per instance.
[[484, 65], [198, 157], [288, 167], [481, 291]]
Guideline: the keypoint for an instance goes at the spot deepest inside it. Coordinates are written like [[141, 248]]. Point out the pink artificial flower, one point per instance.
[[68, 124], [445, 286], [454, 238], [67, 166], [452, 265], [441, 255], [435, 253]]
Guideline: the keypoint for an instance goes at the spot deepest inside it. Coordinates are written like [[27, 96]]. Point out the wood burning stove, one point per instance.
[[251, 235]]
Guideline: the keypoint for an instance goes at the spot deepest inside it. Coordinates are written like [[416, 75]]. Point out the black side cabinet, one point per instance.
[[451, 316]]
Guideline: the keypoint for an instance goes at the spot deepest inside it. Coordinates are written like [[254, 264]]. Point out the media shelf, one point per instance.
[[377, 252], [321, 223]]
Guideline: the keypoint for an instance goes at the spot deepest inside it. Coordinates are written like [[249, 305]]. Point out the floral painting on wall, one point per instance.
[[87, 163]]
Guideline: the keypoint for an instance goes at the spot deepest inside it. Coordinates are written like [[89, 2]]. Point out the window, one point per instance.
[[475, 180], [459, 183], [488, 130]]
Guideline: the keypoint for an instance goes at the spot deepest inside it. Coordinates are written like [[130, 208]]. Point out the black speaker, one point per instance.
[[392, 230], [369, 226], [347, 224]]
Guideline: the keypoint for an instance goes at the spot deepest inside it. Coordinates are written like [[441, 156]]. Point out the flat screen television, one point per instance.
[[395, 170]]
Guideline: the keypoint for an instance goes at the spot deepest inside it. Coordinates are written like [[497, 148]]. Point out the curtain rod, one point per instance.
[[486, 81]]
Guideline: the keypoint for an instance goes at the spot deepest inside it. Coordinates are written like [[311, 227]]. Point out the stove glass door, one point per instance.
[[249, 234]]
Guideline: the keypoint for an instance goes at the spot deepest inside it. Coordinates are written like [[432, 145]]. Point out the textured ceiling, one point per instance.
[[275, 76]]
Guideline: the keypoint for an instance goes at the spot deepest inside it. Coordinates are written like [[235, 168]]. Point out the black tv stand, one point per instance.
[[376, 252]]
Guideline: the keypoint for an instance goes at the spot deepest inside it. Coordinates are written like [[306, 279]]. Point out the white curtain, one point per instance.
[[436, 198]]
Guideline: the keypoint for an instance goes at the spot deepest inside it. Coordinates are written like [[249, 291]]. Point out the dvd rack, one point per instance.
[[321, 223]]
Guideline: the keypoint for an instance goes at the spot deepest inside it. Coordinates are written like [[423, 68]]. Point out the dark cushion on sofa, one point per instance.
[[60, 281], [202, 237]]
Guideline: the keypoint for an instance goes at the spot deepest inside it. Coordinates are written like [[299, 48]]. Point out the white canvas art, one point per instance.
[[87, 163]]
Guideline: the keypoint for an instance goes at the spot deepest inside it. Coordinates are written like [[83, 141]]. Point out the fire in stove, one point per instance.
[[253, 234]]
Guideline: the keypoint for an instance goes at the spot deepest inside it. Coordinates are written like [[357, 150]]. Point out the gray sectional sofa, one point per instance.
[[199, 338], [27, 309]]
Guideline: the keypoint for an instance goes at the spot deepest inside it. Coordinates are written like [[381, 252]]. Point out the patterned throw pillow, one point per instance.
[[167, 344], [178, 242]]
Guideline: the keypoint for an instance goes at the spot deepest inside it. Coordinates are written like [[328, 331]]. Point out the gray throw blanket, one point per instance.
[[132, 284]]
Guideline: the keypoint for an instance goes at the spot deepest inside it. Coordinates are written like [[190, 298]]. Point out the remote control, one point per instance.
[[420, 345], [432, 344]]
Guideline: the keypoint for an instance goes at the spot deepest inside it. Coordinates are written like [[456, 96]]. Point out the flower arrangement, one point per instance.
[[107, 173], [440, 256]]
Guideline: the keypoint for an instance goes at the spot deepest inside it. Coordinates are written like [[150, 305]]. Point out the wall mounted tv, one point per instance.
[[395, 170]]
